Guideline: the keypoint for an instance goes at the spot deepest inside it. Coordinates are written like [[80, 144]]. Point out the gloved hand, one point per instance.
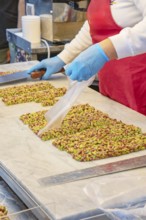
[[52, 65], [87, 64]]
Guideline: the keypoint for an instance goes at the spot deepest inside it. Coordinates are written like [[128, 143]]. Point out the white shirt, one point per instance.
[[129, 14]]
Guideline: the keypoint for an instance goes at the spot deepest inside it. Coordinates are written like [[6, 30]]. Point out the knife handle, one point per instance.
[[39, 73]]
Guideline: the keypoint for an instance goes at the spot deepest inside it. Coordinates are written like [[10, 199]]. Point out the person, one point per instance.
[[10, 12], [111, 44]]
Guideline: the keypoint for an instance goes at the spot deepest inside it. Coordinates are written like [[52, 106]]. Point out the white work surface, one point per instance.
[[28, 158]]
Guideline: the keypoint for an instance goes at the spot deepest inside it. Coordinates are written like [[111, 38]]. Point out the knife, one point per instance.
[[22, 75]]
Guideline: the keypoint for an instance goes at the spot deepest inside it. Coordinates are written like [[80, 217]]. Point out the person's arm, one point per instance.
[[81, 42], [109, 49], [21, 12], [131, 40]]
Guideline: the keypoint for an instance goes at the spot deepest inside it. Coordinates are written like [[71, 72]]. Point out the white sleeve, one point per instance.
[[132, 40], [81, 42]]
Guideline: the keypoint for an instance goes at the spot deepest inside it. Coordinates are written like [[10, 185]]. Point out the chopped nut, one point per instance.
[[88, 134]]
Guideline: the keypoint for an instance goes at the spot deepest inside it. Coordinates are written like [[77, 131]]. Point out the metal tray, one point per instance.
[[19, 203]]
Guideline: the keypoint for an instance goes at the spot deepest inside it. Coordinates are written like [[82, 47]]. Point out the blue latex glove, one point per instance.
[[87, 64], [52, 65]]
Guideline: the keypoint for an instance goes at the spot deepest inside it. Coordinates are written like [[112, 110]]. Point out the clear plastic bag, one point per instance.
[[57, 113], [120, 198], [132, 213]]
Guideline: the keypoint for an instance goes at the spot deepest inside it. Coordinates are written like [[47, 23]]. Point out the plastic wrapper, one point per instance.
[[132, 213], [57, 113], [120, 198], [17, 210]]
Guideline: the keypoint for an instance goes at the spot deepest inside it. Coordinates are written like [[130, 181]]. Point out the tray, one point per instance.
[[19, 203]]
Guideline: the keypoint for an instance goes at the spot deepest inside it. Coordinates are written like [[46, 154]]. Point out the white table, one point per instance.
[[28, 158]]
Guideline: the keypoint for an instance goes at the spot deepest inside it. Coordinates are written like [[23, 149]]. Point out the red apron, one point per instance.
[[122, 80]]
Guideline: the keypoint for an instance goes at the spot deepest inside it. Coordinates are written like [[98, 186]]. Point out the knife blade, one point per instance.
[[22, 75]]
